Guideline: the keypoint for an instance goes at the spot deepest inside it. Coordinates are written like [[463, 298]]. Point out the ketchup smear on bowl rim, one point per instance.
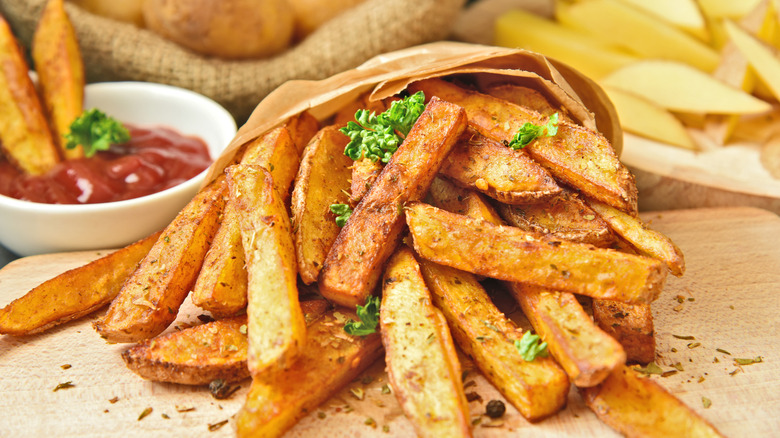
[[155, 159]]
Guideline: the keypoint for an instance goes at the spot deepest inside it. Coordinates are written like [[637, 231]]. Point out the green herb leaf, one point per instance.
[[706, 402], [530, 132], [342, 212], [651, 368], [95, 131], [749, 361], [376, 137], [369, 318], [530, 348]]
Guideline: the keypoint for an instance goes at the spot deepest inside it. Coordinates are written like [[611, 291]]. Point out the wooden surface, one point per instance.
[[730, 302]]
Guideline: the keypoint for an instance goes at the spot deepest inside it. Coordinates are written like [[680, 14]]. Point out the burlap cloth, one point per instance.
[[115, 51]]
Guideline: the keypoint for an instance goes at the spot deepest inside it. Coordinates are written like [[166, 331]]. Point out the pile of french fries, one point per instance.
[[555, 222]]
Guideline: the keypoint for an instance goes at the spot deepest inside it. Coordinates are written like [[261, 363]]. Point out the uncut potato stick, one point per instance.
[[538, 388], [422, 365], [150, 298], [275, 324], [576, 155], [639, 407], [354, 263], [25, 136], [203, 353], [511, 254], [73, 293], [221, 284], [631, 325], [330, 360]]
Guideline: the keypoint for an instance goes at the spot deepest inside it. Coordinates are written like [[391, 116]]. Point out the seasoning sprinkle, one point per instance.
[[684, 337], [65, 385], [145, 413], [385, 389], [706, 402], [748, 361], [65, 366], [216, 426], [720, 350]]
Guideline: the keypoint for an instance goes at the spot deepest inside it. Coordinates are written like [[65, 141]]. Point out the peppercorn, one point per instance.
[[495, 409]]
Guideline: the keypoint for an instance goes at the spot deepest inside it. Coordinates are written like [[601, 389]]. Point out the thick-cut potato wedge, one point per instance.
[[509, 253], [60, 69], [200, 354], [74, 293], [575, 155], [150, 298], [365, 171], [646, 241], [586, 352], [354, 264], [322, 180], [566, 216], [508, 175], [639, 407], [329, 360], [276, 328], [448, 196], [25, 136], [221, 284], [422, 365], [302, 128], [631, 325], [538, 388], [347, 113], [527, 97]]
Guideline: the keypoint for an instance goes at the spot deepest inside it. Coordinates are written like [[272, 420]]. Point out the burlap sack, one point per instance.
[[115, 51]]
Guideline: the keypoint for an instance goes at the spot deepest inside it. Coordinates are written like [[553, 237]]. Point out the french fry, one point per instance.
[[566, 216], [639, 407], [508, 175], [538, 388], [150, 298], [60, 69], [586, 352], [73, 293], [353, 265], [631, 325], [511, 254], [329, 360], [25, 136], [575, 155], [422, 365], [322, 180], [201, 354], [276, 327], [646, 241]]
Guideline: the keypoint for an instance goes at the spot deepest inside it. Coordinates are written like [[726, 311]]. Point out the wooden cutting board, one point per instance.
[[729, 303]]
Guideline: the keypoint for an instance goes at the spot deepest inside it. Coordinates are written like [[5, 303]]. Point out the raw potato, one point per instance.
[[129, 11], [311, 14], [232, 29]]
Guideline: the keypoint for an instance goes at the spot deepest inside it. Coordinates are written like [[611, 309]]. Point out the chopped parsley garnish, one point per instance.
[[530, 348], [369, 318], [342, 212], [95, 131], [376, 137], [530, 132]]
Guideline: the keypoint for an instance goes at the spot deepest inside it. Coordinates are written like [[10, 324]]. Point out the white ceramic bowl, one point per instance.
[[28, 228]]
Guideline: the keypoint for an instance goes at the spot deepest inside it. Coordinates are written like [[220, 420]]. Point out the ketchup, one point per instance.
[[153, 160]]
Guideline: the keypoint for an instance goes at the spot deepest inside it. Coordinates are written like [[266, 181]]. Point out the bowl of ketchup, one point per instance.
[[128, 192]]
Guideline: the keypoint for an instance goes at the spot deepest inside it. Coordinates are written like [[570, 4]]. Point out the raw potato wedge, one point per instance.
[[509, 253], [586, 352], [631, 325], [60, 69], [276, 327], [422, 365], [646, 241], [565, 216], [25, 136], [538, 388], [575, 155], [200, 354], [507, 175], [150, 298], [354, 264], [639, 407], [322, 180], [329, 360], [74, 293]]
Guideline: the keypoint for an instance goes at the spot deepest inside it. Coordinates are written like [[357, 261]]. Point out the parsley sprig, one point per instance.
[[369, 318], [342, 212], [530, 132], [95, 131], [530, 348], [376, 137]]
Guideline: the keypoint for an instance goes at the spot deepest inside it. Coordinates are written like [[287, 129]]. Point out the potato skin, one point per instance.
[[232, 29]]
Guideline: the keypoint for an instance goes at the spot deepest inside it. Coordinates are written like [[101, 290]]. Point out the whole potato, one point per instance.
[[231, 29], [123, 10], [311, 14]]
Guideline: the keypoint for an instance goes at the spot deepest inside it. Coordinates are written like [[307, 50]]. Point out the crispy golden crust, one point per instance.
[[631, 325]]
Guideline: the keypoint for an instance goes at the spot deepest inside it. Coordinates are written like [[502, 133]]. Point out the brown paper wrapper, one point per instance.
[[387, 74]]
